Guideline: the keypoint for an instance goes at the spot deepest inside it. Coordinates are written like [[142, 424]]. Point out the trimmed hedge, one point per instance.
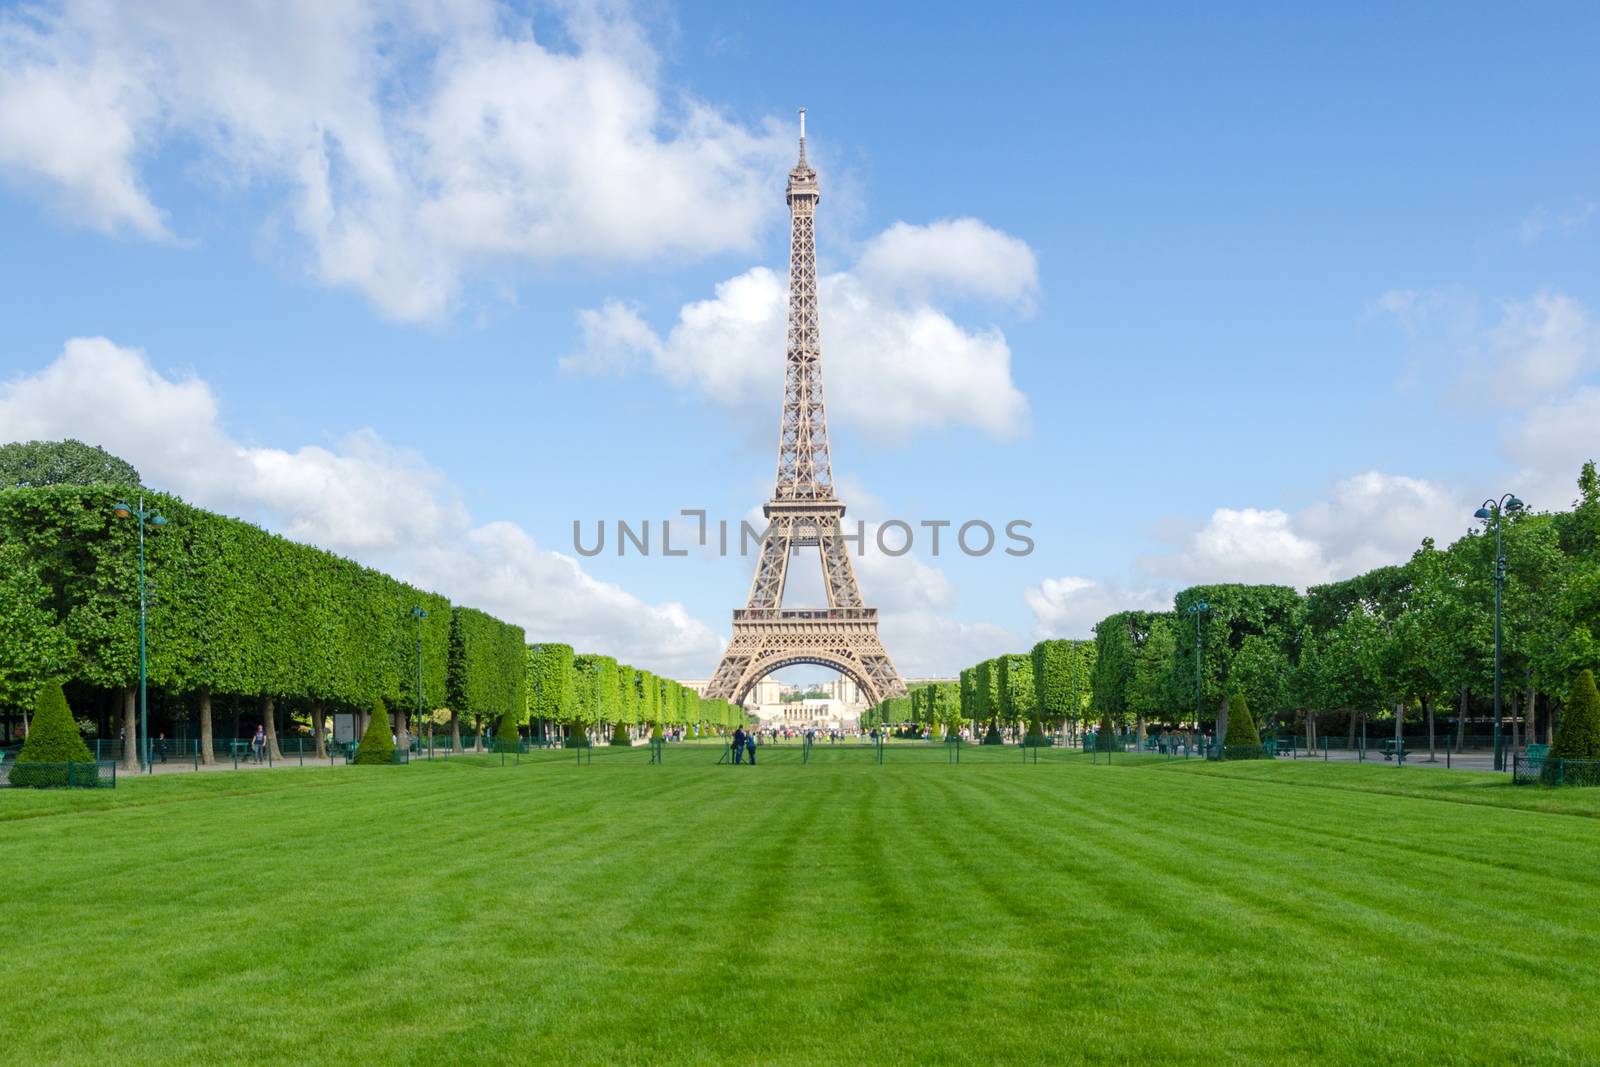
[[1105, 737], [377, 746], [1577, 739], [240, 611], [488, 667], [53, 740], [1578, 733], [508, 738], [1241, 724], [1242, 740]]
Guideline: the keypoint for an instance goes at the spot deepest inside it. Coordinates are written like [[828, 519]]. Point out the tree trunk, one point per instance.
[[1427, 709], [130, 731], [1461, 721], [400, 740], [477, 728], [1311, 730], [1399, 724], [1516, 735], [1531, 732], [269, 721], [319, 719], [207, 754], [455, 731], [1350, 742], [1139, 731], [1222, 723]]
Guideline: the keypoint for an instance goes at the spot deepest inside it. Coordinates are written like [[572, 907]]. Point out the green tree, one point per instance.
[[552, 685], [1233, 612], [1062, 679], [986, 676], [36, 646], [53, 739], [1018, 702], [1153, 690], [487, 673], [377, 746], [68, 462]]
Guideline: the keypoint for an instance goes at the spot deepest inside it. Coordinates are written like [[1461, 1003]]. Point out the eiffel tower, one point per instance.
[[804, 511]]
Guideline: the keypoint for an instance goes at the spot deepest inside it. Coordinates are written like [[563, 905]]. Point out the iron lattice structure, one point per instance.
[[804, 511]]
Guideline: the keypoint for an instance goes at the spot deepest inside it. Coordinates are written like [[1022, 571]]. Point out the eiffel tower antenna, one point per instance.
[[803, 511]]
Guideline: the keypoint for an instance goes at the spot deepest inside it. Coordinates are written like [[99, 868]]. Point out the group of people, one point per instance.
[[744, 744]]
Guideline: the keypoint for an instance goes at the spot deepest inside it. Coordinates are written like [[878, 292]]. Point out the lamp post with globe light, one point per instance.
[[146, 518], [1492, 512]]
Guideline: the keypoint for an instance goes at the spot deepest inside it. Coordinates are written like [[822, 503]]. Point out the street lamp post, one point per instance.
[[123, 511], [1197, 609], [1492, 512], [419, 613]]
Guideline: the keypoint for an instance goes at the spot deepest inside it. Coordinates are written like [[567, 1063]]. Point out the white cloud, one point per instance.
[[1374, 519], [1370, 520], [365, 498], [928, 645], [1541, 346], [417, 142], [1550, 443], [1541, 221], [955, 257], [893, 363], [1535, 348], [1244, 545], [1072, 606]]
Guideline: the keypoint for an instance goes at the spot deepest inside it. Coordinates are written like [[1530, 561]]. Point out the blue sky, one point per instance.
[[1252, 295]]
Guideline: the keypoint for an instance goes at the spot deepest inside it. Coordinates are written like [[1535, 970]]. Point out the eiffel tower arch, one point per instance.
[[804, 512]]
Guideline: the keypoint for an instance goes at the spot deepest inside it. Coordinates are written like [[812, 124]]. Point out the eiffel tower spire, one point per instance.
[[803, 511], [804, 470]]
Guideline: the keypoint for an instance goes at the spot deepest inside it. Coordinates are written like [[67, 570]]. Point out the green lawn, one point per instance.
[[841, 912]]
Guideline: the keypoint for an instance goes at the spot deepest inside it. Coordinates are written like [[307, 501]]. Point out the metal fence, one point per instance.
[[100, 774], [1540, 769]]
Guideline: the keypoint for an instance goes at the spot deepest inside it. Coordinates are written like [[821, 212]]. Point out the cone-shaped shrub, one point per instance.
[[1035, 736], [1577, 739], [1105, 737], [53, 740], [508, 738], [377, 745], [619, 736], [1578, 735], [1242, 740], [992, 737]]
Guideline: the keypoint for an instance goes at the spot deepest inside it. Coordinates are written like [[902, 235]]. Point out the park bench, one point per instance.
[[1394, 749]]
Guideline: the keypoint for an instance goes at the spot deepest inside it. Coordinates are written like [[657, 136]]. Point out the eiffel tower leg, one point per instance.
[[843, 590], [766, 591]]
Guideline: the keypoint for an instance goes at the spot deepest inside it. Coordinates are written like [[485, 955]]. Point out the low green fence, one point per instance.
[[1539, 769], [99, 774]]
